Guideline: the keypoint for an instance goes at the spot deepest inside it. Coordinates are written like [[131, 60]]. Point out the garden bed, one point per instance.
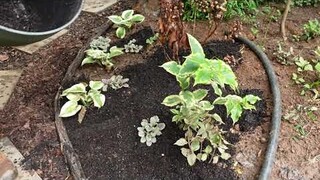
[[106, 145]]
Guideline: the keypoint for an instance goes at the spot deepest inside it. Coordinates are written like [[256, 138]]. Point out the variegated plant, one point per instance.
[[79, 98], [203, 139], [101, 57], [125, 21]]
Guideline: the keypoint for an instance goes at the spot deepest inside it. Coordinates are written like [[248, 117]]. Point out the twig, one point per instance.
[[283, 22]]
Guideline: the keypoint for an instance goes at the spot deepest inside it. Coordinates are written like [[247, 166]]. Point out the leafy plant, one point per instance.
[[78, 98], [242, 9], [193, 113], [152, 39], [131, 47], [311, 29], [102, 43], [149, 130], [308, 83], [284, 57], [115, 82], [101, 57], [125, 21]]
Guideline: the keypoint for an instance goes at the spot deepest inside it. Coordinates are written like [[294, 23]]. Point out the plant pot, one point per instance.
[[55, 15]]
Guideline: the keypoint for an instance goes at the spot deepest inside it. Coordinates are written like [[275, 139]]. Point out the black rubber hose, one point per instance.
[[276, 114]]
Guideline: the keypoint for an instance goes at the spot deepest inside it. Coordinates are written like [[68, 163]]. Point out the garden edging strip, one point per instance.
[[277, 110]]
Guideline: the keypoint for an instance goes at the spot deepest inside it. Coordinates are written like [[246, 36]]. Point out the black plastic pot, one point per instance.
[[55, 15]]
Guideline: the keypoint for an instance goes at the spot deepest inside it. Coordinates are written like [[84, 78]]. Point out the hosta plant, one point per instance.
[[80, 96], [131, 47], [125, 21], [115, 82], [203, 139], [101, 57], [149, 130], [102, 43]]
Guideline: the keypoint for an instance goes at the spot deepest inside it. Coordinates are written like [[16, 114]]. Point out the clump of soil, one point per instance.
[[17, 14]]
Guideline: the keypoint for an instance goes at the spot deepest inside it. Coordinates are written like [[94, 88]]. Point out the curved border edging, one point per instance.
[[70, 155], [277, 109]]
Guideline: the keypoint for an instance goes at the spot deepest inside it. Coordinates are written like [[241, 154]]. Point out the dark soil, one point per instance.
[[107, 141], [17, 14]]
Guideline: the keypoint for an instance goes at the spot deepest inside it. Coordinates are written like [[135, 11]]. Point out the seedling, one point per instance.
[[192, 112], [131, 47], [101, 43], [115, 82], [101, 57], [152, 39], [311, 29], [284, 57], [79, 98], [149, 130], [125, 21]]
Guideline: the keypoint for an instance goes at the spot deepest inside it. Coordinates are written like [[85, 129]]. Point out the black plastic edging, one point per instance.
[[277, 110]]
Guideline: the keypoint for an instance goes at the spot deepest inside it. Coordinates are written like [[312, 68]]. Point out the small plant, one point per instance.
[[125, 21], [131, 47], [308, 83], [284, 57], [101, 57], [79, 98], [311, 29], [101, 43], [152, 39], [150, 130], [115, 82], [203, 138]]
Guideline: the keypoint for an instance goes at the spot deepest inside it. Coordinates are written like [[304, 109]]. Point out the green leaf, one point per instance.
[[115, 19], [185, 152], [206, 105], [137, 18], [69, 109], [191, 159], [121, 32], [251, 98], [195, 46], [308, 67], [181, 142], [208, 149], [74, 97], [217, 118], [195, 145], [189, 67], [98, 98], [187, 96], [77, 88], [115, 51], [172, 100], [127, 14], [317, 67], [88, 60], [184, 82], [225, 156], [200, 94], [96, 85], [96, 53], [171, 67], [216, 89], [204, 157], [203, 76]]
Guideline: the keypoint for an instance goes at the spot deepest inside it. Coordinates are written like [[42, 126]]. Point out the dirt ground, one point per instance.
[[28, 117]]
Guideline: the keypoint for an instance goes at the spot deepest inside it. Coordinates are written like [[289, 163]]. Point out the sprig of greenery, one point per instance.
[[149, 130], [78, 97], [193, 113], [125, 21], [102, 43], [152, 39], [131, 47], [311, 29], [115, 82], [101, 57]]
